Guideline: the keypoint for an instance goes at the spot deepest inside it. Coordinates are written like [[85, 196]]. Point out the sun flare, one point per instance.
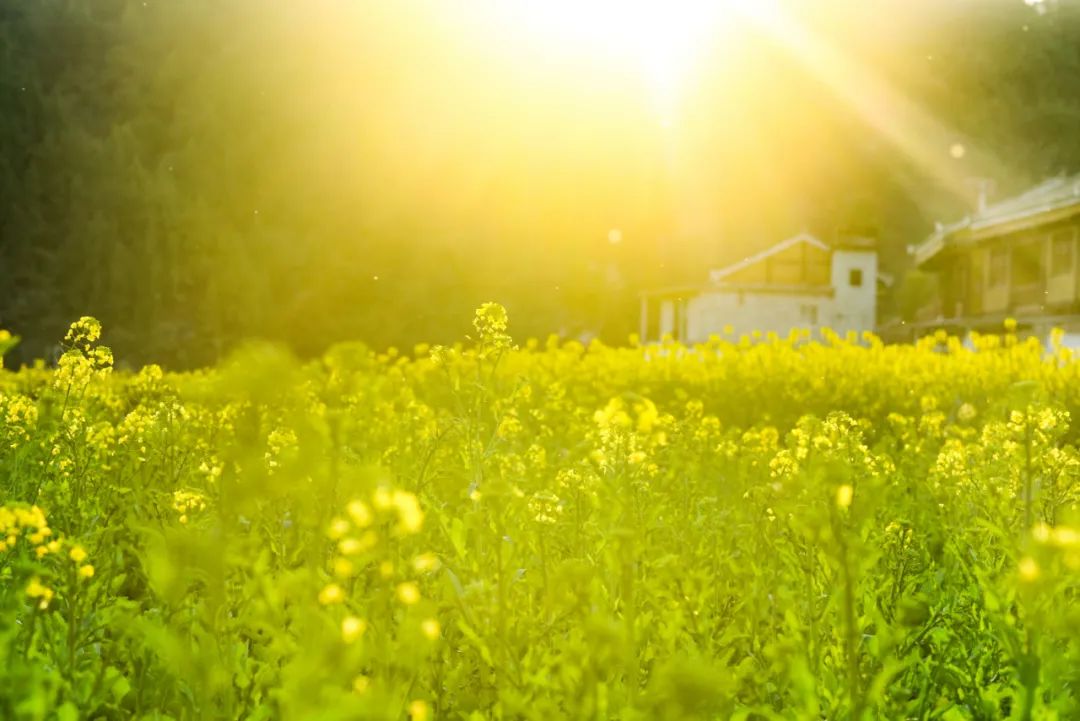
[[661, 41]]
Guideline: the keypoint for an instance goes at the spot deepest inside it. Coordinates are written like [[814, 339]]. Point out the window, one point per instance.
[[1026, 265], [999, 267], [855, 277], [1061, 252], [956, 292]]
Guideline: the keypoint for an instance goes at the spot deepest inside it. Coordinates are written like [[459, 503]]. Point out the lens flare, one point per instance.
[[661, 41]]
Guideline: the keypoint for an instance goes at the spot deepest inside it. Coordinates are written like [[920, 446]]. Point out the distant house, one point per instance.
[[1015, 258], [799, 283]]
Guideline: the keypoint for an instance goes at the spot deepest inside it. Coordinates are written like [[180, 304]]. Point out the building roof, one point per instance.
[[717, 276], [1048, 201], [721, 280], [681, 291]]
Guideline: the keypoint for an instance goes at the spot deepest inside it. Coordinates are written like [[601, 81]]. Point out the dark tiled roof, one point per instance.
[[1050, 195]]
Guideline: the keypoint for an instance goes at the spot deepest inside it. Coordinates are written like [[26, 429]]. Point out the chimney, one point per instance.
[[984, 188], [856, 237]]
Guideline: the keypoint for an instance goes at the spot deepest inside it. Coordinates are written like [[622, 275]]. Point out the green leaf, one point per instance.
[[67, 712]]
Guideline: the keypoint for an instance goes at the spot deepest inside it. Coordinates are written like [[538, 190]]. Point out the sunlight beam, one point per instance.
[[927, 142], [662, 40]]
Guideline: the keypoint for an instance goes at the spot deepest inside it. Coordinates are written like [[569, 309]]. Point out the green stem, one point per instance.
[[1030, 677], [851, 627], [72, 619], [1028, 501]]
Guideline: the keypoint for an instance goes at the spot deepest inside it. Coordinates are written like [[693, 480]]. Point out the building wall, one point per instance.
[[707, 314], [999, 282], [800, 264], [855, 306], [667, 317], [976, 286], [849, 305], [1061, 264], [995, 279]]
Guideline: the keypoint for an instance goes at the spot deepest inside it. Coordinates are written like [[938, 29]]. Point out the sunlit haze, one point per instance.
[[461, 360], [660, 41], [487, 149]]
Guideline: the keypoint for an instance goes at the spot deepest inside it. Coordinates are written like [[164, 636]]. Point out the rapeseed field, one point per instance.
[[755, 528]]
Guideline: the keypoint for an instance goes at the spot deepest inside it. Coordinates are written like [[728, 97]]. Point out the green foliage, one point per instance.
[[485, 531], [916, 291]]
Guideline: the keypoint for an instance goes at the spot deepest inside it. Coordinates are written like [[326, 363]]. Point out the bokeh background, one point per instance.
[[199, 172]]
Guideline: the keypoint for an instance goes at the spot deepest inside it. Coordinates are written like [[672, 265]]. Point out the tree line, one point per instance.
[[195, 173]]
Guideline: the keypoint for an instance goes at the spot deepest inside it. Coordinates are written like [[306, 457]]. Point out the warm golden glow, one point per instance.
[[550, 153], [894, 117], [658, 39]]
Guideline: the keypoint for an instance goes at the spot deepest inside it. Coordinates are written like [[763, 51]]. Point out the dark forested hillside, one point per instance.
[[197, 172]]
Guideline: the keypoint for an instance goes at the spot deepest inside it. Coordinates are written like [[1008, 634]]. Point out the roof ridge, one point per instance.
[[802, 237], [1054, 193]]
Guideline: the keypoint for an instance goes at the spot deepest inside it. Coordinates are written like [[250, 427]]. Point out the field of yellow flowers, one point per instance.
[[779, 529]]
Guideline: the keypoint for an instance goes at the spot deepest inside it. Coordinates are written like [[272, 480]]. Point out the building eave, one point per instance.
[[933, 246], [990, 224], [929, 249], [1050, 213], [773, 289], [731, 288]]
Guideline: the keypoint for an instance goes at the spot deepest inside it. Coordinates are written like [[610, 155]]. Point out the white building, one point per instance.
[[798, 283]]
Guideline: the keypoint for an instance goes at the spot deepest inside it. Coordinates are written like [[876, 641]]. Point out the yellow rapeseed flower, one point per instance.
[[419, 711], [360, 513], [343, 567], [86, 571], [844, 495], [1028, 569], [352, 628], [368, 541], [426, 562], [1065, 537], [430, 628], [410, 517], [331, 594], [408, 593], [382, 498], [349, 547], [39, 591], [77, 554], [338, 528]]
